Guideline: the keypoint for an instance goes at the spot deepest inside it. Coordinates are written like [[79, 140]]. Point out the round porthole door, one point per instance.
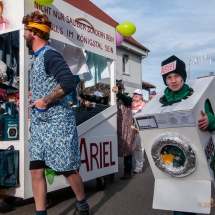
[[173, 155]]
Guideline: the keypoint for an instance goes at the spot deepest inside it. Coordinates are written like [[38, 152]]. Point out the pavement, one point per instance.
[[128, 197]]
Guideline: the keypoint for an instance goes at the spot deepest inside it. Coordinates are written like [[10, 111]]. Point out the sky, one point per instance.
[[185, 28]]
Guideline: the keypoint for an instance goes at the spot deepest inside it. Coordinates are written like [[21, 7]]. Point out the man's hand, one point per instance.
[[40, 104], [115, 89], [203, 122]]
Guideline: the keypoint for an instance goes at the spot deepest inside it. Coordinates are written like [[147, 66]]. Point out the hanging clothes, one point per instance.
[[75, 59], [98, 68], [73, 56], [58, 45], [9, 54]]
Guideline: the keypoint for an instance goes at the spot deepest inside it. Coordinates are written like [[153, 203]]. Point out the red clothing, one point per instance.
[[4, 24], [136, 108]]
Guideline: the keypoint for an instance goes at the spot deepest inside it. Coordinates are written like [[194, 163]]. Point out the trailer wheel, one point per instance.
[[100, 183], [48, 200], [10, 200]]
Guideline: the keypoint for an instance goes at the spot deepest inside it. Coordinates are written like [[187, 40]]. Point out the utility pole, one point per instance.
[[189, 70]]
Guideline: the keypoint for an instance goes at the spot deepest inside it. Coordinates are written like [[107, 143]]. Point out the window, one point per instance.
[[125, 64]]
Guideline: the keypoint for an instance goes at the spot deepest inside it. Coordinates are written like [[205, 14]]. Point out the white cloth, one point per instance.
[[139, 154], [97, 93], [75, 59], [59, 46], [3, 72], [73, 56]]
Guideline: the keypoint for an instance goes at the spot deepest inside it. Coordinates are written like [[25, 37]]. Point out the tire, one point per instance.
[[48, 201], [10, 200], [100, 183]]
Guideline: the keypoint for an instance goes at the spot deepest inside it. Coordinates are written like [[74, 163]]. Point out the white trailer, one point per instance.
[[97, 136]]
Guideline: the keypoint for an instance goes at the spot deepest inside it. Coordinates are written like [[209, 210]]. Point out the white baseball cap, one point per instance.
[[138, 91]]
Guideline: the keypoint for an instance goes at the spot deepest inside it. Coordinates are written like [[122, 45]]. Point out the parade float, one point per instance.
[[97, 134]]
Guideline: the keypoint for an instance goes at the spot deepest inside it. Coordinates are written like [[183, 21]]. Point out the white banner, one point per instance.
[[99, 38], [99, 156]]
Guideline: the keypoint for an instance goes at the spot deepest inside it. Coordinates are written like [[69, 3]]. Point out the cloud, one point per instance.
[[183, 28]]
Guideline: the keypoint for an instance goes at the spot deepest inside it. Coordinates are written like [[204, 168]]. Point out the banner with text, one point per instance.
[[73, 26]]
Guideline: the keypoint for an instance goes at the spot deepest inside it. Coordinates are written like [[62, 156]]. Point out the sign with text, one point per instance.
[[167, 120], [75, 27], [99, 156], [210, 157]]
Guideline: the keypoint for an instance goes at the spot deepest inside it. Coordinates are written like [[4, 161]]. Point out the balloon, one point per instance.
[[126, 28], [119, 39], [44, 2]]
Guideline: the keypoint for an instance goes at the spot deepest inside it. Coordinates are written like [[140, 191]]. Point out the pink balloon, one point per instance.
[[119, 38]]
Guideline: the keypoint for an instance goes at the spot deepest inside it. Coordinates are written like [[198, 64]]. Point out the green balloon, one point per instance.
[[126, 28], [44, 2]]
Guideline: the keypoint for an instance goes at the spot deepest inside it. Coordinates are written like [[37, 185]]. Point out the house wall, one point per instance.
[[133, 80]]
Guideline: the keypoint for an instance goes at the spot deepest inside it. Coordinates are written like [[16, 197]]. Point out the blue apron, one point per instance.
[[54, 137]]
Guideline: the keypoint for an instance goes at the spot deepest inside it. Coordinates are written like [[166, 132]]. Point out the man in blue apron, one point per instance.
[[54, 139]]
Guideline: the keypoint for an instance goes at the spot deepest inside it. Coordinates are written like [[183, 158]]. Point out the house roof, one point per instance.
[[90, 8], [147, 86], [205, 76]]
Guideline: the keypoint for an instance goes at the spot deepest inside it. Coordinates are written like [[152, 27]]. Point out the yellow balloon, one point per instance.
[[44, 2], [126, 28]]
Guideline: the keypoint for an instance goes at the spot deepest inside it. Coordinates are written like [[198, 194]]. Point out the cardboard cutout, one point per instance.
[[180, 154]]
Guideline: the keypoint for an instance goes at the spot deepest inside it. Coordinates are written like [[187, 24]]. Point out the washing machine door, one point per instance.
[[173, 155]]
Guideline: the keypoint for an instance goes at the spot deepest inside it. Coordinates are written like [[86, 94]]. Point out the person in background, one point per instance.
[[174, 76], [97, 92], [11, 97], [85, 102], [137, 106], [152, 94], [85, 105], [126, 135], [53, 141], [14, 97], [4, 24], [17, 101]]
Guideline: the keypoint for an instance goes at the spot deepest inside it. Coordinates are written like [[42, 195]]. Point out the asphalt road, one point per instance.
[[133, 196]]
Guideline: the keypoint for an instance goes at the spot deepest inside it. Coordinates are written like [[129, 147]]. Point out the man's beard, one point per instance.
[[29, 42]]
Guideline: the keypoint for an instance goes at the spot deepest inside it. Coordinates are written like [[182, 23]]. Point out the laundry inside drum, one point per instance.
[[173, 155]]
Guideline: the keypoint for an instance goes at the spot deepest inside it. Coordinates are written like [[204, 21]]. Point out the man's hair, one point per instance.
[[37, 17]]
